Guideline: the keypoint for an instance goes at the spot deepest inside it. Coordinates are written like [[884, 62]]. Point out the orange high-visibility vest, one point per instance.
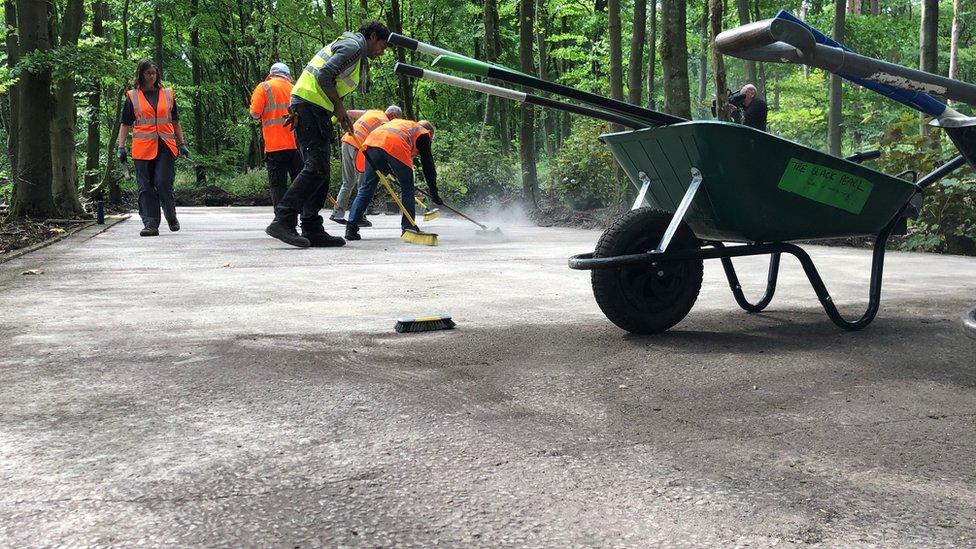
[[365, 124], [152, 123], [270, 100], [398, 138]]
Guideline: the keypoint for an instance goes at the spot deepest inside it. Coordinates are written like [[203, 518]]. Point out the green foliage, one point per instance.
[[477, 174], [947, 222], [583, 175]]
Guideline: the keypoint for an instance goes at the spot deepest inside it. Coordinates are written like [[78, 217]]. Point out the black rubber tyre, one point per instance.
[[646, 299]]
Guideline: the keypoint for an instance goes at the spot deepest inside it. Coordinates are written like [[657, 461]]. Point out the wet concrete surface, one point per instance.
[[212, 387]]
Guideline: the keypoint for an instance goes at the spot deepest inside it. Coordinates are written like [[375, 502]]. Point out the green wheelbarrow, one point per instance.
[[712, 183]]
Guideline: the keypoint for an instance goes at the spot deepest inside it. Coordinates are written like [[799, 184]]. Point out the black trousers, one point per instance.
[[308, 192], [281, 165], [155, 181]]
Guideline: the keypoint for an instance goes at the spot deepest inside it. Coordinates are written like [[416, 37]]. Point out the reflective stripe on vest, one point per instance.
[[398, 138], [151, 124], [277, 91], [307, 87], [364, 125]]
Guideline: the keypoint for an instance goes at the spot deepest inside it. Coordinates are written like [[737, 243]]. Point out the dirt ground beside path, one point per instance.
[[211, 387]]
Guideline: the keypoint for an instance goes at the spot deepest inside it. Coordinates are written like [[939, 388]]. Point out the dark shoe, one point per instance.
[[353, 235], [174, 226], [364, 223], [338, 219], [286, 234], [324, 240], [149, 231]]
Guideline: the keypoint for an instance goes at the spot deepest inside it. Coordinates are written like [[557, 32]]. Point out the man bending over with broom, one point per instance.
[[390, 149]]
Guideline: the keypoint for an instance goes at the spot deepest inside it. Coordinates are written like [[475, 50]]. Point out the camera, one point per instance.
[[738, 101]]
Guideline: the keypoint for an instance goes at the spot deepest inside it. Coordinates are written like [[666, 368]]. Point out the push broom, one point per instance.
[[413, 236]]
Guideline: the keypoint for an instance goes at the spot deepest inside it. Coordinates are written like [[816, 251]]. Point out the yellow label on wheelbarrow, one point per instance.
[[826, 185]]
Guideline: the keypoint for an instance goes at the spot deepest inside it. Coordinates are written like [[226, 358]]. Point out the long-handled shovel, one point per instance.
[[465, 64], [521, 97]]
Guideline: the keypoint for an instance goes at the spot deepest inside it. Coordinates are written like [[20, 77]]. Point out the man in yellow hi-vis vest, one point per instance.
[[316, 100]]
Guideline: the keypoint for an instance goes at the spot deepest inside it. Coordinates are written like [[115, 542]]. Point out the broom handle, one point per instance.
[[386, 184], [484, 227]]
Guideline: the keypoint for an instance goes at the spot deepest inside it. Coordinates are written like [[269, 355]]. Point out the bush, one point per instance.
[[472, 172], [583, 174], [947, 222]]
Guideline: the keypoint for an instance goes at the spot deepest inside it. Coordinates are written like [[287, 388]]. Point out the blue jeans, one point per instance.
[[378, 159]]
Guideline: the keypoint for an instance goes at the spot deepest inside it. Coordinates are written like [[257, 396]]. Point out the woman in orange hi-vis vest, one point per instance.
[[390, 149], [269, 104], [365, 122], [151, 115]]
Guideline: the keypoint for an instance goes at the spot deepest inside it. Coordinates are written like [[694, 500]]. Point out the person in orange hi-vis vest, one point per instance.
[[150, 113], [365, 123], [390, 150], [269, 104]]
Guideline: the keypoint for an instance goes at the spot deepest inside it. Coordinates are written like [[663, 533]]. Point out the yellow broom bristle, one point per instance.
[[432, 215], [417, 237]]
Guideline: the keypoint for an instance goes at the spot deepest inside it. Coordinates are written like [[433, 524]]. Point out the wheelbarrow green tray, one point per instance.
[[757, 187]]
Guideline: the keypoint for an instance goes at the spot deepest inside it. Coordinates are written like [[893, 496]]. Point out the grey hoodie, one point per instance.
[[346, 52]]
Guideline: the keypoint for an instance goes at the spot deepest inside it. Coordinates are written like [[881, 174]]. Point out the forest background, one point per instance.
[[66, 64]]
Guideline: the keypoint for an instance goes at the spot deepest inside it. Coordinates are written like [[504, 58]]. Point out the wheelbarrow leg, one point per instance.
[[874, 293], [680, 211], [740, 297], [642, 192]]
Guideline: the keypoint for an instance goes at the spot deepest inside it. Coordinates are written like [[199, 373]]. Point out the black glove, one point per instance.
[[185, 152], [436, 198], [121, 154]]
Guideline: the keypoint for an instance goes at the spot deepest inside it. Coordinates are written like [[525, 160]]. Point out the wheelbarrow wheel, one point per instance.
[[646, 299]]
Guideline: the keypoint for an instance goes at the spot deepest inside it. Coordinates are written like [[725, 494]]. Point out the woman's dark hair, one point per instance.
[[374, 27], [141, 68]]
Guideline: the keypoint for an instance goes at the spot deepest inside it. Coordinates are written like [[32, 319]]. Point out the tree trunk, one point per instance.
[[703, 58], [652, 56], [835, 115], [158, 38], [929, 44], [616, 55], [548, 117], [674, 58], [34, 170], [954, 40], [530, 181], [64, 156], [404, 83], [854, 6], [13, 95], [635, 68], [329, 10], [109, 181], [718, 62], [875, 8], [742, 6], [93, 144]]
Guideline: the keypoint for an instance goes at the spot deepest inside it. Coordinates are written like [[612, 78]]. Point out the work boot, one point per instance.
[[363, 222], [324, 240], [174, 226], [149, 231], [313, 230], [339, 216], [352, 233], [286, 233]]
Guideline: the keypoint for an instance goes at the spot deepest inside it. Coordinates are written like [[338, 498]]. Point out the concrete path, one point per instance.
[[212, 387]]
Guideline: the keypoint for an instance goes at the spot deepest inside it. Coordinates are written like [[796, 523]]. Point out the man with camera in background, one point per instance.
[[751, 108]]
